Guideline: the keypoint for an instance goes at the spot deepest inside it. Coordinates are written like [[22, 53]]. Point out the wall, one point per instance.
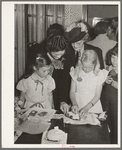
[[102, 11], [73, 13]]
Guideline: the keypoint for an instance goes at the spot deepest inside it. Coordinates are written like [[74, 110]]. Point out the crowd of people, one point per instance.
[[73, 70]]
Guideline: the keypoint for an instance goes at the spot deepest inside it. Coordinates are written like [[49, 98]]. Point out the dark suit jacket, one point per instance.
[[71, 52], [63, 82]]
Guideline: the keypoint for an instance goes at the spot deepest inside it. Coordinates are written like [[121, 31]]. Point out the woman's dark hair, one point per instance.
[[56, 43], [113, 51], [101, 27], [55, 29], [92, 34]]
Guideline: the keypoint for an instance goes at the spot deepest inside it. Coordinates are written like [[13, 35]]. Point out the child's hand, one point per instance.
[[75, 109], [83, 111], [109, 80]]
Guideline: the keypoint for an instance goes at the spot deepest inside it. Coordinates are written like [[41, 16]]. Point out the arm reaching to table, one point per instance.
[[83, 111]]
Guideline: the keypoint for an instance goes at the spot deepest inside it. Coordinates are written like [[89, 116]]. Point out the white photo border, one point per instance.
[[7, 98]]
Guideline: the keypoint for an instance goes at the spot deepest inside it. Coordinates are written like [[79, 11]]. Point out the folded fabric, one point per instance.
[[90, 118], [58, 116]]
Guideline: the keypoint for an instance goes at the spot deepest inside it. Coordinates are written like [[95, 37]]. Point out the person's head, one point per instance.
[[110, 29], [92, 34], [112, 56], [55, 29], [56, 46], [41, 64], [77, 34], [90, 61], [115, 22], [101, 27]]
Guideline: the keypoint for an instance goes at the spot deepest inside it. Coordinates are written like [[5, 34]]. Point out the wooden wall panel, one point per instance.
[[34, 23], [40, 23], [19, 41], [30, 20], [16, 43], [54, 14]]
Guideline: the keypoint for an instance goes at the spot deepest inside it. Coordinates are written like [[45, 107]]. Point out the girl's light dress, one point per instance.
[[85, 90], [36, 90]]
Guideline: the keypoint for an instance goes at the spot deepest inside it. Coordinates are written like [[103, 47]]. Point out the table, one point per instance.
[[77, 134]]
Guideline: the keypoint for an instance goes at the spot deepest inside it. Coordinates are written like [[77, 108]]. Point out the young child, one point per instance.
[[113, 68], [109, 94], [37, 88], [86, 84]]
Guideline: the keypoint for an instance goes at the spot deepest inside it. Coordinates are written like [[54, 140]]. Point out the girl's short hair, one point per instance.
[[38, 60], [113, 51], [91, 55], [101, 27], [56, 43], [41, 60]]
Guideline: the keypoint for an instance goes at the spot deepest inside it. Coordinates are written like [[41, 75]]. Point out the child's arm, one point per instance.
[[114, 84], [22, 99], [85, 109], [75, 107], [50, 98]]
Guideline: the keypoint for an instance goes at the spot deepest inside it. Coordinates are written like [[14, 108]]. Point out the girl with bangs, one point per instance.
[[86, 85]]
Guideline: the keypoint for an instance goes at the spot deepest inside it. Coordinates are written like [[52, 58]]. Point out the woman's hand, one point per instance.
[[109, 80], [75, 109], [64, 107], [83, 111]]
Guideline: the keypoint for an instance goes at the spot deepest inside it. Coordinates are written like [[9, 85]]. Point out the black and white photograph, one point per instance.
[[61, 65]]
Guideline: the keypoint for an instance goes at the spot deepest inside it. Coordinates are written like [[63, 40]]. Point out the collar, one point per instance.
[[103, 36], [36, 77], [82, 73]]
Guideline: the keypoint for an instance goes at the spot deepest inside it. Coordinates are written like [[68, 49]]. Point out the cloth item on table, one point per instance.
[[102, 116], [90, 118], [36, 114], [33, 127], [58, 116]]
